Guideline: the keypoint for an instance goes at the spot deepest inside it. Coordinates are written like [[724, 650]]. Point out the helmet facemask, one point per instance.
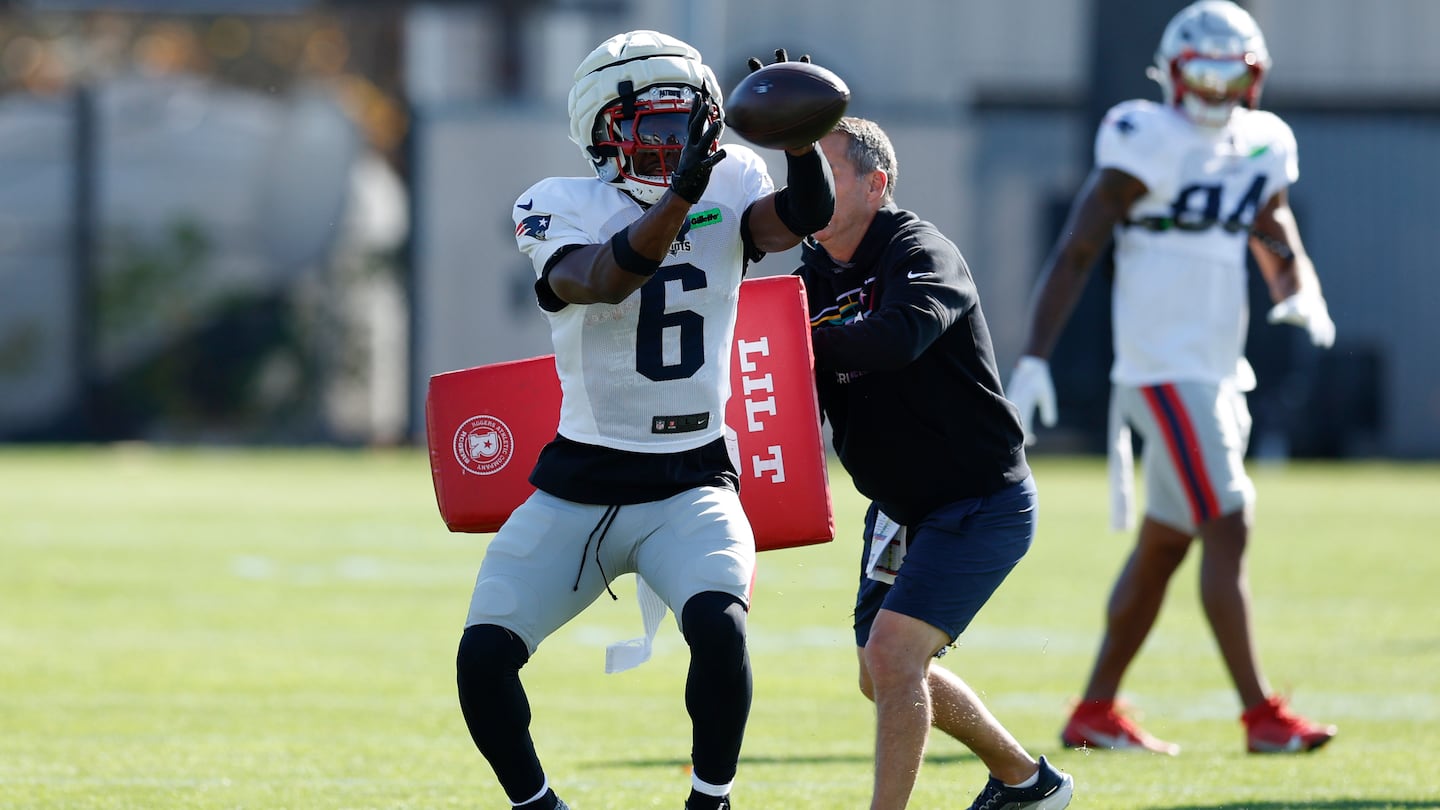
[[637, 139], [1210, 88], [1212, 58], [630, 107]]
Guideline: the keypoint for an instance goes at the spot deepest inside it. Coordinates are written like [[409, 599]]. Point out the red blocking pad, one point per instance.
[[485, 426], [775, 416]]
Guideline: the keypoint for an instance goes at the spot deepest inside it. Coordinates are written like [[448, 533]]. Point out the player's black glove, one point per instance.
[[780, 56], [692, 174]]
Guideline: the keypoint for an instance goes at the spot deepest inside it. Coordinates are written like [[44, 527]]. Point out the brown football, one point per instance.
[[786, 105]]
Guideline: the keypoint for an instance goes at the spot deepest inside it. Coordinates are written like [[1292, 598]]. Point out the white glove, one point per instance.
[[1031, 387], [1308, 311]]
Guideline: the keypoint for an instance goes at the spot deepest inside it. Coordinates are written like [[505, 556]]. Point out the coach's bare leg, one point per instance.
[[1225, 593], [1135, 602], [910, 696]]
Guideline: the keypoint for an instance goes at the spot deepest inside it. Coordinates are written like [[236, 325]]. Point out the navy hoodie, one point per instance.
[[905, 371]]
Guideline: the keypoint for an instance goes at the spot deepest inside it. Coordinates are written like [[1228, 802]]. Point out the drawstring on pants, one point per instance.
[[602, 527]]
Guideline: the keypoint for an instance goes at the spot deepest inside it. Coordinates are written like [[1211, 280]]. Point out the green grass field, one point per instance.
[[237, 629]]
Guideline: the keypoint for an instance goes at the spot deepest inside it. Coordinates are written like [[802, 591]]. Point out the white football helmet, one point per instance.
[[1212, 57], [630, 108]]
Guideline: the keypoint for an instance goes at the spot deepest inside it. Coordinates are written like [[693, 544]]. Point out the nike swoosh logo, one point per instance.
[[1106, 740], [916, 274], [1289, 746], [1111, 741], [527, 205]]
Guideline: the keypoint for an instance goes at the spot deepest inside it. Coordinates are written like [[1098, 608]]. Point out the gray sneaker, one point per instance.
[[1052, 791]]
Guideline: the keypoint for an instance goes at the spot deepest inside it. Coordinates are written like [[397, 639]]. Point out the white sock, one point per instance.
[[701, 786], [1034, 777]]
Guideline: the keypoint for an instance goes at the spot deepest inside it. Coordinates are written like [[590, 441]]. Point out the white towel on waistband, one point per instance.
[[631, 653], [1121, 463]]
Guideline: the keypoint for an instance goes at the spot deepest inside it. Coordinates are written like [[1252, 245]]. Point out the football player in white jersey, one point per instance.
[[1183, 187], [638, 272]]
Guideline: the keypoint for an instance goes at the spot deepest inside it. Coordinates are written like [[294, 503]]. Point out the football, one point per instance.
[[786, 105]]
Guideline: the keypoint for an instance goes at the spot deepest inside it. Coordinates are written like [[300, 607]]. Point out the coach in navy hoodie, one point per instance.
[[907, 379]]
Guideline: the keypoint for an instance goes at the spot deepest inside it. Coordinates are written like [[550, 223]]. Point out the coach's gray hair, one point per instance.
[[870, 150]]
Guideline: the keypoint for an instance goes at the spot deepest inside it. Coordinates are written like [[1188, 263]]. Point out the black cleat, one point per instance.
[[1051, 792]]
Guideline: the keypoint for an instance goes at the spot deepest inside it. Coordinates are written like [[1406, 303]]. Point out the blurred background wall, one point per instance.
[[272, 221]]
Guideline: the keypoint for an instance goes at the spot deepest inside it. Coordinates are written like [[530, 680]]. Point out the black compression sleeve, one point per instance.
[[544, 293], [628, 258], [807, 202]]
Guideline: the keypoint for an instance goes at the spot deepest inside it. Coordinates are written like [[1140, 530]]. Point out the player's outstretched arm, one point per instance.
[[780, 220], [1101, 203], [610, 272], [1289, 273]]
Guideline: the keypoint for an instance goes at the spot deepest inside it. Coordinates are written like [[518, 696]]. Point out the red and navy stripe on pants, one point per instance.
[[1175, 425]]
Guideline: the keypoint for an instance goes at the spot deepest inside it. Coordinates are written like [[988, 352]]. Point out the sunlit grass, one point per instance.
[[276, 629]]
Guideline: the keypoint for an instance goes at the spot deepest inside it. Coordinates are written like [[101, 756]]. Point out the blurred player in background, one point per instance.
[[1184, 186], [907, 379], [638, 274]]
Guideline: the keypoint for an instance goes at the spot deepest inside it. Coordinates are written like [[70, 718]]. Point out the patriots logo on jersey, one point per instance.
[[533, 226]]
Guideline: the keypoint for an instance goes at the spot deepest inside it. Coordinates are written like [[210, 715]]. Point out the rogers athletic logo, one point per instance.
[[483, 445]]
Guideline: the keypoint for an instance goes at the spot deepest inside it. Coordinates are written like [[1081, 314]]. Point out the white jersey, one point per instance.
[[1180, 300], [650, 374]]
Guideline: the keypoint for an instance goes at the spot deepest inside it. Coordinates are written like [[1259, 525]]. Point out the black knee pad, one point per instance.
[[487, 652], [714, 621]]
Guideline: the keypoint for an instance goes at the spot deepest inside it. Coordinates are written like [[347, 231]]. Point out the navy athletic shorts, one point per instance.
[[957, 556]]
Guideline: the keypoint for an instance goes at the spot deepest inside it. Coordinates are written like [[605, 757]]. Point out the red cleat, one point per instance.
[[1099, 724], [1271, 728]]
